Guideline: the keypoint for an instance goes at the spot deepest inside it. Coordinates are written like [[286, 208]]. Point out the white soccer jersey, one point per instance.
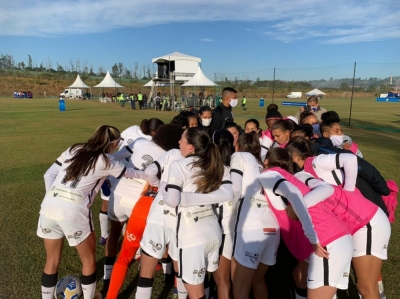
[[326, 167], [161, 213], [253, 210], [72, 200], [227, 214], [131, 134], [144, 153], [198, 224]]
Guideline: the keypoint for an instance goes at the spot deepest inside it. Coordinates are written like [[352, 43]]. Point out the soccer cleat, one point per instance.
[[102, 241]]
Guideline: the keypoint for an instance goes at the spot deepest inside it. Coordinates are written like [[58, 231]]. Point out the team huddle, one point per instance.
[[203, 195]]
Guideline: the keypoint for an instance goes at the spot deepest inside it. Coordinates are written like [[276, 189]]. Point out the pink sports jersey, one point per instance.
[[352, 207], [326, 224], [267, 133]]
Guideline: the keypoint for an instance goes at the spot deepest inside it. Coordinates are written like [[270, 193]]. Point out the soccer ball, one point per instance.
[[69, 287]]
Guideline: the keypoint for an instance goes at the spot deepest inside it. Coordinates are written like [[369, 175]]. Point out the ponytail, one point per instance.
[[150, 126], [86, 154], [209, 178]]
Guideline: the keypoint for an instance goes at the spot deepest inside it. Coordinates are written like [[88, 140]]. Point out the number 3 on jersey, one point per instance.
[[147, 161]]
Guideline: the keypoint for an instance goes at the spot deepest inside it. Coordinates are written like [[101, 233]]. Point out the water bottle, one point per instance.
[[262, 102], [61, 104]]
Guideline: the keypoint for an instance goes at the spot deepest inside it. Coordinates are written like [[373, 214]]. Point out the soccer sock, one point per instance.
[[49, 282], [89, 285], [167, 265], [206, 286], [103, 216], [334, 297], [144, 288], [380, 287], [182, 293], [301, 293], [108, 267], [120, 269]]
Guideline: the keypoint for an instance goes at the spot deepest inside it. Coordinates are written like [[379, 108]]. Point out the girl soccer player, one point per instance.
[[127, 201], [257, 232], [72, 183], [146, 130], [281, 133], [368, 224], [330, 265], [198, 234]]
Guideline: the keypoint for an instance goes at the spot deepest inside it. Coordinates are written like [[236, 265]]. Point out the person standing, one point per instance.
[[244, 101], [132, 96], [140, 100], [312, 103], [223, 112], [157, 101]]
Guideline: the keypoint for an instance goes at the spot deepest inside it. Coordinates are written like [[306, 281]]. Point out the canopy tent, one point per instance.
[[78, 83], [108, 81], [315, 92], [199, 79], [175, 56], [151, 82]]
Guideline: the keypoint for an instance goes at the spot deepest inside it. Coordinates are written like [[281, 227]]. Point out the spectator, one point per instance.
[[223, 112], [313, 106]]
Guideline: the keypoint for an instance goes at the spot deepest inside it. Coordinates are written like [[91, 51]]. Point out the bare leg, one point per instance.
[[367, 269]]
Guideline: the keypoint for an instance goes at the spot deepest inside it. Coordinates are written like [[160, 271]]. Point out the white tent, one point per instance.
[[175, 56], [315, 92], [199, 79], [108, 81], [150, 84], [78, 83]]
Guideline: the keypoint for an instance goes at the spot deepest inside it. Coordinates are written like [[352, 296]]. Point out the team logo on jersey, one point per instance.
[[196, 219], [345, 274], [53, 188], [130, 141], [260, 169], [253, 256], [45, 230], [230, 203], [259, 205], [188, 215], [385, 246], [161, 203], [130, 237], [166, 212], [252, 199], [200, 272], [156, 246], [269, 231], [55, 194], [75, 235]]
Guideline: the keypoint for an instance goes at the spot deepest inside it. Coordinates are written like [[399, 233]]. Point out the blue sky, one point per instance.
[[236, 38]]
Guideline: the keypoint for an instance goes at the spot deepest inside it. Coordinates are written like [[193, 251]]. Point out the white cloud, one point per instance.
[[207, 40], [332, 22]]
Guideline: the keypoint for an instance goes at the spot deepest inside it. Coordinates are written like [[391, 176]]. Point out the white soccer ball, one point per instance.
[[68, 287]]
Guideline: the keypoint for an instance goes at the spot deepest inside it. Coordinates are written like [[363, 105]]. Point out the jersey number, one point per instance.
[[147, 161], [73, 184]]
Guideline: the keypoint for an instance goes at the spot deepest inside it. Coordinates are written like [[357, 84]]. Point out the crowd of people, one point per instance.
[[23, 94], [204, 195]]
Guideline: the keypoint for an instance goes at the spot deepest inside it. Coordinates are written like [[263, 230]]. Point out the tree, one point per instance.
[[114, 70], [30, 65], [100, 71], [344, 86], [120, 68], [135, 70], [144, 72], [148, 71]]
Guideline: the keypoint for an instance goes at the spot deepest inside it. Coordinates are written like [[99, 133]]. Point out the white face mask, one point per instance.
[[337, 140], [233, 102], [206, 122]]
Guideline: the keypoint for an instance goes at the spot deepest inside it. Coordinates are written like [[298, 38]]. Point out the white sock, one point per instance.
[[182, 293], [48, 293], [107, 271], [89, 290], [166, 265], [103, 216], [334, 296], [143, 293]]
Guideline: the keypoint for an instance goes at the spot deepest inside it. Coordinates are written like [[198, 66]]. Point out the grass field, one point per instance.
[[33, 133]]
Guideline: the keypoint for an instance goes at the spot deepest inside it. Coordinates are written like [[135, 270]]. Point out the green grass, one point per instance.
[[33, 133]]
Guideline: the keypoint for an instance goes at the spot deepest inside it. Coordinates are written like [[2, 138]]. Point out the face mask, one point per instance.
[[206, 122], [316, 129], [337, 140], [233, 102], [314, 109]]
